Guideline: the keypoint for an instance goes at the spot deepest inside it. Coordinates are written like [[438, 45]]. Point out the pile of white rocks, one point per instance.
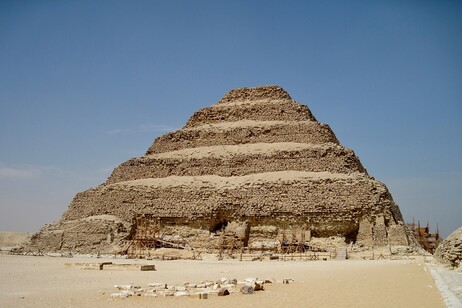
[[202, 290]]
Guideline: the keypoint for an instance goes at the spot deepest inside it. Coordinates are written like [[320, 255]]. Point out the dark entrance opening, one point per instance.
[[218, 226]]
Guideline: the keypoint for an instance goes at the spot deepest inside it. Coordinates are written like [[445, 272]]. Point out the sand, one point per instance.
[[28, 281]]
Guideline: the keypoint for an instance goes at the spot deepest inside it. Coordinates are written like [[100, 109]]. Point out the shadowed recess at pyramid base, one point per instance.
[[254, 171]]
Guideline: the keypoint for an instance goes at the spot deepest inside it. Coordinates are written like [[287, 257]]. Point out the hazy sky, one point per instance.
[[86, 85]]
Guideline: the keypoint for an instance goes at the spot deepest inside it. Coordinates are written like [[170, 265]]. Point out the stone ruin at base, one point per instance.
[[449, 252], [254, 170]]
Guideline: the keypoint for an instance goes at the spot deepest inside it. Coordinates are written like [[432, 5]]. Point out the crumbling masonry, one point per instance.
[[255, 161]]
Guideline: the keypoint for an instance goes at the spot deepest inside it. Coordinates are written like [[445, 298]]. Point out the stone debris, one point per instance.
[[247, 289], [181, 293], [269, 280], [227, 281], [124, 287], [258, 286], [109, 266], [449, 252], [88, 266], [119, 295], [216, 286], [129, 267], [158, 285], [200, 290], [223, 292], [150, 294], [199, 295]]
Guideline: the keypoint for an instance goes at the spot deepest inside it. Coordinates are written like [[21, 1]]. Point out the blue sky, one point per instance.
[[86, 85]]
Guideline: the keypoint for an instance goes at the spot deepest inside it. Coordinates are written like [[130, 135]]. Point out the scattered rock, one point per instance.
[[119, 295], [200, 295], [258, 286], [225, 280], [180, 288], [158, 285], [181, 293], [247, 289], [223, 292], [168, 293], [123, 286], [203, 290], [216, 286]]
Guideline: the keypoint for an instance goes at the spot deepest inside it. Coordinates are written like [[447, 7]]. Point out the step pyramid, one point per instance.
[[255, 160]]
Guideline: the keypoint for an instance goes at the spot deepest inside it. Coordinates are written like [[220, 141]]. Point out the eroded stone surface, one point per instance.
[[449, 252], [256, 161]]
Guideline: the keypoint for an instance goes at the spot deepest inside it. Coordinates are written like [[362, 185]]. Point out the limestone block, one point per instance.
[[247, 289], [88, 266], [397, 235], [223, 292], [449, 252], [129, 267], [380, 232], [365, 237]]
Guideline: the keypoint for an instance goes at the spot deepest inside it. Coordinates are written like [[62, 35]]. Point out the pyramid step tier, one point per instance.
[[255, 94], [324, 201], [283, 110], [244, 132], [237, 160]]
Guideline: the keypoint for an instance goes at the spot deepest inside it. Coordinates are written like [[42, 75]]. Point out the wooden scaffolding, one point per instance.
[[145, 238], [428, 241], [295, 243], [229, 243]]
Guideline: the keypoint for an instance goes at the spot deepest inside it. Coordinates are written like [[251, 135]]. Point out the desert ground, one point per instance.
[[44, 281]]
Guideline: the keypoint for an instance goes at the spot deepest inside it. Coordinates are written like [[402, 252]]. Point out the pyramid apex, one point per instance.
[[269, 92]]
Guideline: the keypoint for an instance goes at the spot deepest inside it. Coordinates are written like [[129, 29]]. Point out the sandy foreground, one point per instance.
[[28, 281]]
